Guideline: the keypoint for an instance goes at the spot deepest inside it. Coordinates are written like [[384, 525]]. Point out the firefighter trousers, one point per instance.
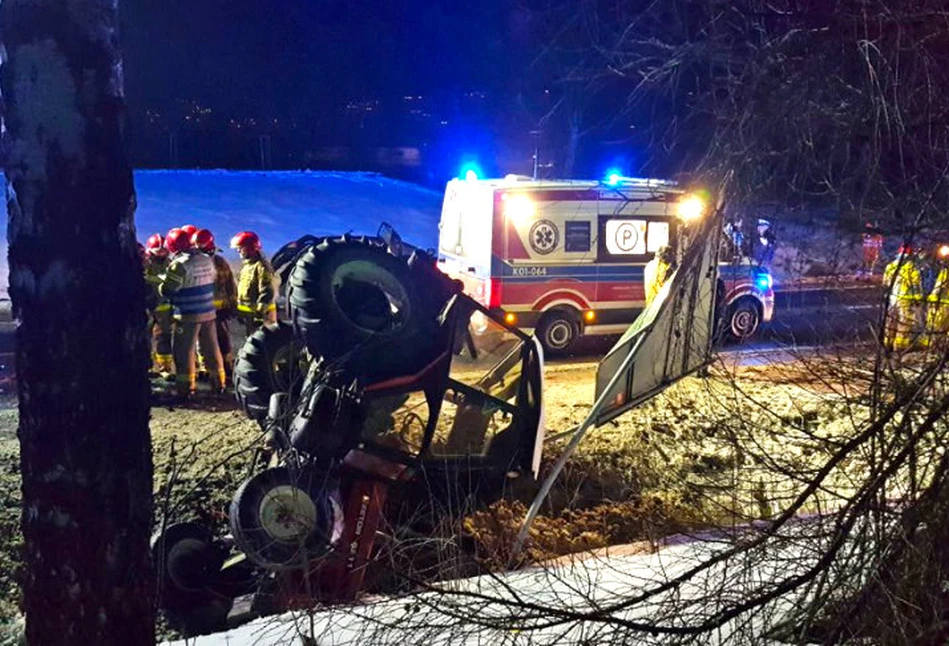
[[223, 326], [189, 336], [903, 324], [163, 325]]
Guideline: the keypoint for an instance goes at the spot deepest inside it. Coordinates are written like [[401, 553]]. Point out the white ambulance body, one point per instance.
[[566, 257]]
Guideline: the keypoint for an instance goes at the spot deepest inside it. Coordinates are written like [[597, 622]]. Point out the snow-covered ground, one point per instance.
[[279, 206], [487, 610]]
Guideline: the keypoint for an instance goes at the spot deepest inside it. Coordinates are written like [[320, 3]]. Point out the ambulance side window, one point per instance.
[[577, 236], [630, 239], [657, 236]]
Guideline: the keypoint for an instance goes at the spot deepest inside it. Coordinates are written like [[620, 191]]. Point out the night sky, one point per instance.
[[290, 56], [305, 62]]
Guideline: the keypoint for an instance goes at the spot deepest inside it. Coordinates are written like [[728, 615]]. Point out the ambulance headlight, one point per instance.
[[518, 207], [691, 208]]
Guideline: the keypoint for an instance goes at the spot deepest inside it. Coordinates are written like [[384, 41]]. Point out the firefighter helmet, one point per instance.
[[203, 239], [177, 240], [906, 249], [155, 246], [190, 229], [246, 239]]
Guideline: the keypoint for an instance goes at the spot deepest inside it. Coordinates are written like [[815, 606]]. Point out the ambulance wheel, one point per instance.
[[345, 292], [271, 361], [284, 518], [558, 331], [744, 318]]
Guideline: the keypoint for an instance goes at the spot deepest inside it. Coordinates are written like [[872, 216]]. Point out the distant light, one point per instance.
[[944, 251], [691, 207], [518, 207]]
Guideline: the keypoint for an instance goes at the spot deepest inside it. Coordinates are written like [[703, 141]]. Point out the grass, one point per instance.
[[694, 456]]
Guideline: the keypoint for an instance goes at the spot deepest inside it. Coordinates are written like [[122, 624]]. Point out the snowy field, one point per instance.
[[279, 206]]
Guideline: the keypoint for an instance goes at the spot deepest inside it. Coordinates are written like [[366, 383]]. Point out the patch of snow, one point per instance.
[[585, 584], [282, 206], [279, 206]]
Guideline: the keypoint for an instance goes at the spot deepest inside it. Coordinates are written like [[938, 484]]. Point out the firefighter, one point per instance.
[[937, 308], [189, 284], [255, 286], [225, 295], [161, 316], [872, 246], [657, 271], [904, 311]]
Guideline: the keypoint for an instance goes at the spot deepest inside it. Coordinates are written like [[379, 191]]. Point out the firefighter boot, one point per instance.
[[201, 367], [185, 387], [228, 369], [219, 387], [165, 365]]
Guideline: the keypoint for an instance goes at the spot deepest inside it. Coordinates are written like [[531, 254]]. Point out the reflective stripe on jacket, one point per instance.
[[155, 269], [255, 287], [189, 283], [905, 278], [940, 293]]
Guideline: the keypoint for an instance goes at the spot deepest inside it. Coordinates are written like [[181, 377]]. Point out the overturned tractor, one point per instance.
[[387, 391]]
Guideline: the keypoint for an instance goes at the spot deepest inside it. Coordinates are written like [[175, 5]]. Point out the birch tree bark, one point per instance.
[[81, 347]]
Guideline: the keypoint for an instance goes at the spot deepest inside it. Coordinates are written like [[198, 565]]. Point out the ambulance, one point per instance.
[[565, 258]]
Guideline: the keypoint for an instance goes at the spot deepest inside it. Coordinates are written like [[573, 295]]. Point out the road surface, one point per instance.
[[803, 318]]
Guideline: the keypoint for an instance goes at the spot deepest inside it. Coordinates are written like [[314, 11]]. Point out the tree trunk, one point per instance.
[[81, 346]]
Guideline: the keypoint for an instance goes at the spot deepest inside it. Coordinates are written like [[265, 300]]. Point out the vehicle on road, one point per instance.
[[565, 258]]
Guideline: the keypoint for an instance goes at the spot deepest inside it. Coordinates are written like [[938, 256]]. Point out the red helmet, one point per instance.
[[203, 240], [155, 246], [906, 249], [177, 240], [246, 239]]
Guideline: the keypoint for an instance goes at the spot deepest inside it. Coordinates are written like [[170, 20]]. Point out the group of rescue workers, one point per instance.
[[918, 307], [193, 297]]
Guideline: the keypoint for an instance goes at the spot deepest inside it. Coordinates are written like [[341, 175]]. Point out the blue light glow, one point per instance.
[[613, 176], [763, 281], [470, 171]]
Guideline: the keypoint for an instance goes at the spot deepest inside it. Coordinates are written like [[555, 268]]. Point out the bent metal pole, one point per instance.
[[562, 460]]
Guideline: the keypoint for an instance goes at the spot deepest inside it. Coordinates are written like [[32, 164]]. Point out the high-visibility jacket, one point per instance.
[[937, 311], [904, 314], [155, 269], [225, 289], [654, 276], [255, 288], [189, 283], [906, 280]]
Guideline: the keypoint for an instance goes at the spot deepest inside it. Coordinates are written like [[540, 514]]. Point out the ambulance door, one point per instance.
[[629, 234]]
